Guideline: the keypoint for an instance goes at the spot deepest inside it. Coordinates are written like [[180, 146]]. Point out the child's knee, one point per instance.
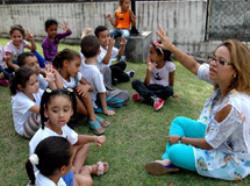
[[178, 120]]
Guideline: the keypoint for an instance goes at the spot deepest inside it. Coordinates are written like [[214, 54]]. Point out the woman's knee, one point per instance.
[[178, 120]]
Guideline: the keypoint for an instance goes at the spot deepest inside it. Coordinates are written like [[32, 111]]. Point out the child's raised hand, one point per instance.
[[100, 140], [173, 139], [29, 36], [150, 65], [65, 26], [166, 43], [123, 41], [108, 16], [111, 42]]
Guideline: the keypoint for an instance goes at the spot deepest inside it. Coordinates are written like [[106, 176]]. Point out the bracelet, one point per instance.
[[180, 139]]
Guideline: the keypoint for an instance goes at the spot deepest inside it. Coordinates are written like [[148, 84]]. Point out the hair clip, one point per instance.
[[34, 159], [155, 44], [48, 90]]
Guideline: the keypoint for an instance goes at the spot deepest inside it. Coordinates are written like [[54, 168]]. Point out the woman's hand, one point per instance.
[[166, 43], [173, 139], [109, 112]]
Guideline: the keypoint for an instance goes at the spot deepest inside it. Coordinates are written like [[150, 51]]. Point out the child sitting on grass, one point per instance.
[[159, 80], [47, 77], [50, 43], [101, 98], [57, 107]]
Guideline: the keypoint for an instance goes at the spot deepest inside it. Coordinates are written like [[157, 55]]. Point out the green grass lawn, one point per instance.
[[136, 136]]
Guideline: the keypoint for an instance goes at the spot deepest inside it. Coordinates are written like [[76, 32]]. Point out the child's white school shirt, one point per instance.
[[21, 105], [11, 48], [93, 75], [73, 81], [102, 54], [160, 76], [2, 63], [45, 181], [41, 134]]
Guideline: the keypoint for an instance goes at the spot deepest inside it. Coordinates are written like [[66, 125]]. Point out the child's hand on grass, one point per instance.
[[109, 112]]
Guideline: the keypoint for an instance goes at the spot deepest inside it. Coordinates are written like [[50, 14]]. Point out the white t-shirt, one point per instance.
[[11, 48], [160, 76], [93, 75], [45, 181], [41, 134], [2, 63], [102, 54], [73, 81], [21, 105], [43, 84]]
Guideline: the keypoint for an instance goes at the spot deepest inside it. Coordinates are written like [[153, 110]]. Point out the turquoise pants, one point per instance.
[[182, 155]]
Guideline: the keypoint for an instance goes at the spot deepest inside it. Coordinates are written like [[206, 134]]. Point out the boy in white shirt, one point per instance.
[[109, 54]]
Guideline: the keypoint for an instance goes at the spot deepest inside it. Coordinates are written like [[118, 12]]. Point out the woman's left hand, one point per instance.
[[173, 139]]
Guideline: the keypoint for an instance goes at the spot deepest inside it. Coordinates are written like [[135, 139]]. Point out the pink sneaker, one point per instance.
[[4, 82], [136, 97], [158, 104]]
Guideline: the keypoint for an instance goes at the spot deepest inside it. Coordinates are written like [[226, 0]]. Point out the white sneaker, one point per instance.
[[131, 73]]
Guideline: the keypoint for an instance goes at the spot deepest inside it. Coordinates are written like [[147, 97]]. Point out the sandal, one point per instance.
[[102, 168], [96, 127], [103, 122], [156, 168]]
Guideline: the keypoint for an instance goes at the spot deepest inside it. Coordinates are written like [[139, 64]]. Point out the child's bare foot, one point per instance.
[[97, 169]]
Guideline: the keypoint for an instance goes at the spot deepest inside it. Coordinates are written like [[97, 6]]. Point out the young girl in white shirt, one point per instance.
[[19, 41], [68, 62], [53, 159], [25, 102], [159, 80], [57, 107]]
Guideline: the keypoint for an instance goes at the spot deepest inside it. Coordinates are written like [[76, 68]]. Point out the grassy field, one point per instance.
[[136, 136]]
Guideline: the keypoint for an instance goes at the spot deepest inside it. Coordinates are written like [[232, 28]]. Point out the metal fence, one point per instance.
[[229, 19]]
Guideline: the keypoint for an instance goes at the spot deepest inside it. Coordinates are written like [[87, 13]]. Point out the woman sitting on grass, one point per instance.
[[216, 145]]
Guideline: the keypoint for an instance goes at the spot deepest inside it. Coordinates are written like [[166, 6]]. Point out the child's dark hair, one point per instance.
[[22, 75], [166, 53], [50, 22], [99, 29], [22, 57], [121, 2], [17, 27], [53, 153], [48, 96], [90, 46], [65, 54]]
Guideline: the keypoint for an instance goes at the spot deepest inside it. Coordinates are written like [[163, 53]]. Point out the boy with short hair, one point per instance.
[[101, 98], [109, 54]]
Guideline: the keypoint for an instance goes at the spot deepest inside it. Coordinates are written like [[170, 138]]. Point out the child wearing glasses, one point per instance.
[[159, 80]]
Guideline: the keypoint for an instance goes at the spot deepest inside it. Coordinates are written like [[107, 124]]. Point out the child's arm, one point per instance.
[[30, 38], [148, 71], [111, 20], [104, 104], [66, 32], [171, 78], [85, 139], [122, 46], [35, 109], [108, 55], [132, 17], [85, 82]]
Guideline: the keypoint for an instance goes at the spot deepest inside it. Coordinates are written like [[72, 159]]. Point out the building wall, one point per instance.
[[185, 20]]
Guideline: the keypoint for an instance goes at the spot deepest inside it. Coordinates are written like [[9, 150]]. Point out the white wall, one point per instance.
[[185, 20]]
